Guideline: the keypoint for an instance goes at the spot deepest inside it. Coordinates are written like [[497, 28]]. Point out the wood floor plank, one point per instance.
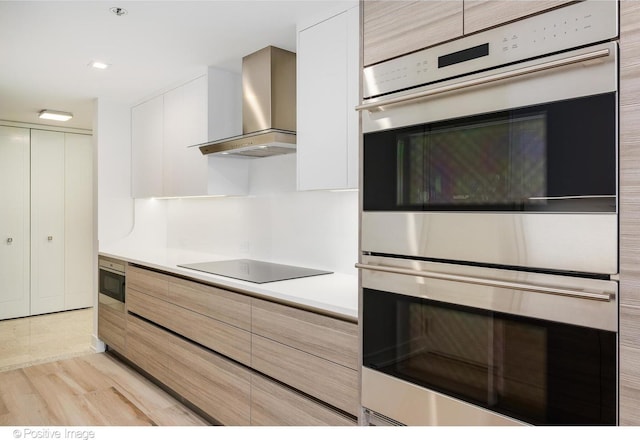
[[132, 384], [25, 406], [65, 405], [91, 390], [117, 409]]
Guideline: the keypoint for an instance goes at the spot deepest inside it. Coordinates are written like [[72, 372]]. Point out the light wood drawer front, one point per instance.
[[225, 306], [322, 336], [223, 338], [147, 281], [145, 348], [394, 28], [275, 405], [483, 14], [217, 386], [322, 379], [111, 327]]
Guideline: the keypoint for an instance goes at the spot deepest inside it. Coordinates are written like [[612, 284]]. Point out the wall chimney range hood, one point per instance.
[[268, 107]]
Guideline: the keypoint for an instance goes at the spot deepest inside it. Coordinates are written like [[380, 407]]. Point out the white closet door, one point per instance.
[[47, 221], [14, 222], [78, 221]]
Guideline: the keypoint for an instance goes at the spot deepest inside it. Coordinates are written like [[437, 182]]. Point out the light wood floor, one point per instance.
[[89, 390], [51, 376]]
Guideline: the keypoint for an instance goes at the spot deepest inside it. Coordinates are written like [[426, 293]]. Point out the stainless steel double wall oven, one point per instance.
[[489, 226]]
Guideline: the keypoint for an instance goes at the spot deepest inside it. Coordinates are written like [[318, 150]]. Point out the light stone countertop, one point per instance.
[[333, 294]]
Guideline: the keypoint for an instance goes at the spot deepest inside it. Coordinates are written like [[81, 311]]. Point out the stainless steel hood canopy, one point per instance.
[[268, 107]]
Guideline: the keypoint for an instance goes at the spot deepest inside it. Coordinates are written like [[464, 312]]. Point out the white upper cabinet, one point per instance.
[[163, 129], [185, 123], [147, 148], [327, 123]]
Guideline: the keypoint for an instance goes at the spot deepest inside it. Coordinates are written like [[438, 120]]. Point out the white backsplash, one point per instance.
[[317, 229], [276, 223]]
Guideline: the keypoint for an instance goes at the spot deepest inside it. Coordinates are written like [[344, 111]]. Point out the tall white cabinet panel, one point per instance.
[[47, 221], [327, 123], [147, 148], [185, 123], [14, 222], [78, 221]]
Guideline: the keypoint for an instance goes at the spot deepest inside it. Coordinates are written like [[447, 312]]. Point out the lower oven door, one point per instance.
[[455, 345]]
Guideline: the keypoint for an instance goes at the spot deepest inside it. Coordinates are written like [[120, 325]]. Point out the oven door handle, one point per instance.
[[379, 105], [581, 294]]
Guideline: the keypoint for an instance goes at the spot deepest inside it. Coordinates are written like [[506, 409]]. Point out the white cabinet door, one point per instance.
[[47, 221], [147, 148], [327, 129], [185, 124], [78, 221], [14, 222]]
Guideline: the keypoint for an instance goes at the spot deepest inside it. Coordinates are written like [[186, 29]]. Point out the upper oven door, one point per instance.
[[514, 167]]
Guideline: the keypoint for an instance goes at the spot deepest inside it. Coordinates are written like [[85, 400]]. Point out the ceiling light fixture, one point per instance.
[[55, 115], [99, 65]]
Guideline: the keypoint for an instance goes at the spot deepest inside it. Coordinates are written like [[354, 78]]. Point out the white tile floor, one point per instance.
[[44, 338]]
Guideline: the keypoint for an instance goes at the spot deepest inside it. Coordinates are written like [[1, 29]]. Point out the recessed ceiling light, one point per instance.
[[118, 11], [99, 65], [55, 115]]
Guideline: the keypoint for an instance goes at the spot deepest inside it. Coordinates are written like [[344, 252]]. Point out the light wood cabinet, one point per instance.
[[327, 338], [220, 304], [211, 333], [327, 124], [112, 323], [394, 28], [484, 14], [14, 222], [302, 366], [217, 386], [275, 405], [147, 281], [629, 213], [323, 379]]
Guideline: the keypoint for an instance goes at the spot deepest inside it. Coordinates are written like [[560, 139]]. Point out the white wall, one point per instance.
[[112, 135], [276, 223]]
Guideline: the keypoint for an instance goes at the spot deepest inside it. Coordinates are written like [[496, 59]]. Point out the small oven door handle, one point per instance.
[[595, 296], [379, 105]]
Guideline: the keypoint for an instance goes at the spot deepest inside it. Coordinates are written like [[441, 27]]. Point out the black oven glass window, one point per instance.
[[537, 371], [558, 157], [112, 284]]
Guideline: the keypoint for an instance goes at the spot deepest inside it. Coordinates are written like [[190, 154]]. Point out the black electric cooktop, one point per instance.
[[254, 271]]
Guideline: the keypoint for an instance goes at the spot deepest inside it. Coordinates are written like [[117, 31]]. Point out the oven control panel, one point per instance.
[[576, 25]]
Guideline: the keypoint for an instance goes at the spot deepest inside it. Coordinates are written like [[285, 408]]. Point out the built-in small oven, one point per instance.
[[489, 226], [111, 276]]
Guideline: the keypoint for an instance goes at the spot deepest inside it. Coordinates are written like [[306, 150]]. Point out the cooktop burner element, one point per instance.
[[254, 271]]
